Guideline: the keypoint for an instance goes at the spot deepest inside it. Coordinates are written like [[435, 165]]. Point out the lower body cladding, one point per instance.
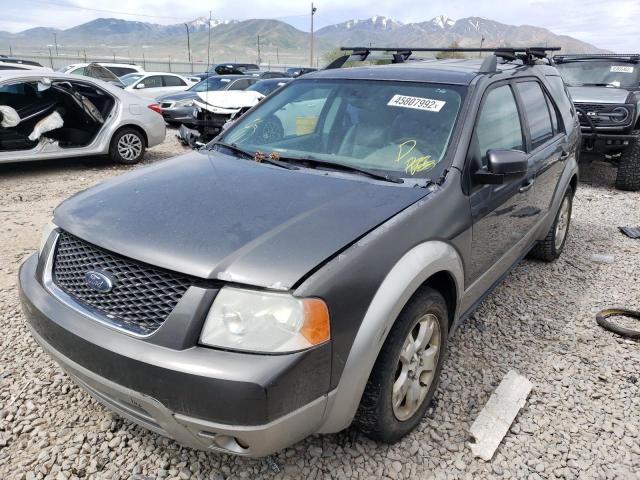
[[204, 398]]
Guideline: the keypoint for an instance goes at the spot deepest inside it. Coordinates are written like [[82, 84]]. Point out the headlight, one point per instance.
[[183, 103], [258, 321], [46, 233]]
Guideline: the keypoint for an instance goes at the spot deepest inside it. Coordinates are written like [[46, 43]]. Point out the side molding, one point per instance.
[[411, 271]]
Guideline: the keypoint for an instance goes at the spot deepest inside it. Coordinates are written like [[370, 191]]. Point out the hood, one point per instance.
[[215, 216], [230, 99], [598, 94], [174, 97]]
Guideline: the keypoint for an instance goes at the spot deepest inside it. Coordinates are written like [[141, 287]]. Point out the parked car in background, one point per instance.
[[212, 110], [606, 92], [177, 108], [155, 84], [13, 63], [265, 74], [267, 288], [118, 69], [53, 115], [232, 68], [299, 71]]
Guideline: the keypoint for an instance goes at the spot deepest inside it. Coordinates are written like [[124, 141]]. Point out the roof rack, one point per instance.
[[528, 55], [577, 57]]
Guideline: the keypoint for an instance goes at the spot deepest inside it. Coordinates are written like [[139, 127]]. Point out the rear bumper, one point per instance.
[[208, 399]]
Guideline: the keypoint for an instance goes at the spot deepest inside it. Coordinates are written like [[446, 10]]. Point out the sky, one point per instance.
[[612, 24]]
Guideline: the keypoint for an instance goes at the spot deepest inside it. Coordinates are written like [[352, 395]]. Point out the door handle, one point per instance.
[[526, 186], [564, 155]]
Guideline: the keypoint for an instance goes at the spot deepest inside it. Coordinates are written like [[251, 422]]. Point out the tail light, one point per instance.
[[156, 108]]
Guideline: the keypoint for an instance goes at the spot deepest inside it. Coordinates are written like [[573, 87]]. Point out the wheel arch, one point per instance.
[[135, 127], [436, 264]]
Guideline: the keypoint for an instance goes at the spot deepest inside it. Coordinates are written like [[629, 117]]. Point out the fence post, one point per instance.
[[169, 63]]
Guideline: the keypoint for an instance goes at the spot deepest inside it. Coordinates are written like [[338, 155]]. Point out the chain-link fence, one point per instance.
[[149, 64]]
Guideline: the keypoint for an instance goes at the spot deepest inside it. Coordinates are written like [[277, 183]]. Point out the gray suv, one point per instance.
[[606, 92], [295, 280]]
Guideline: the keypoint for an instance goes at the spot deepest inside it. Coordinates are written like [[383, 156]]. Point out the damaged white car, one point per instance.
[[49, 115], [213, 109]]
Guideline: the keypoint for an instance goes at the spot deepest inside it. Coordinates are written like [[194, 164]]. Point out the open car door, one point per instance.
[[94, 70]]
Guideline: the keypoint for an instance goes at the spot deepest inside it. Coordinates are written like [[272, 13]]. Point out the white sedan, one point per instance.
[[155, 84]]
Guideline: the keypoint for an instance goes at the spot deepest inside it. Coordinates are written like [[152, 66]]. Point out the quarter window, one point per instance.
[[537, 112], [499, 123]]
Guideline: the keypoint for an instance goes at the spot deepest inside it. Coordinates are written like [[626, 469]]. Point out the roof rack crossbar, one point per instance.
[[632, 57]]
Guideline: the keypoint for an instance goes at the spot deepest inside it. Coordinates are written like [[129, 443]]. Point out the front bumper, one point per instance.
[[203, 398], [600, 140]]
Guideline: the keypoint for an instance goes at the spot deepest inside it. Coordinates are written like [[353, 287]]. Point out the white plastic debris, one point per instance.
[[48, 123], [10, 117], [496, 417], [602, 258]]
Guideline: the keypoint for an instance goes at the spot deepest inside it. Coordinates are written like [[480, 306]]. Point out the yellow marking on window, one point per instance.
[[305, 125], [413, 164]]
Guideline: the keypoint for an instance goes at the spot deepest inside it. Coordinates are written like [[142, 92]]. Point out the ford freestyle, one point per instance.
[[305, 270]]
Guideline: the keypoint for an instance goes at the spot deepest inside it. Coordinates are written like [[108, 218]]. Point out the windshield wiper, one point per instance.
[[598, 85], [346, 167], [252, 156]]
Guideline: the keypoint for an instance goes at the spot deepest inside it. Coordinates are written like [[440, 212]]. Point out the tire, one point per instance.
[[127, 146], [551, 247], [628, 177], [377, 416]]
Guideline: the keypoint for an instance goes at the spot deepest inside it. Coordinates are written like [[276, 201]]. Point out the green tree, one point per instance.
[[441, 55]]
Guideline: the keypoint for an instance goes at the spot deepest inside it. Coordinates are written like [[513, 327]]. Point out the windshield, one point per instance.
[[600, 73], [210, 84], [266, 87], [130, 78], [399, 128]]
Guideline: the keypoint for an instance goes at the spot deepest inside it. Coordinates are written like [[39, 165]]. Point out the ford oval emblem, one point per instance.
[[98, 281]]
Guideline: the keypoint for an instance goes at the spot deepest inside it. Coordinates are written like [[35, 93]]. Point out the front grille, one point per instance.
[[142, 296], [598, 113]]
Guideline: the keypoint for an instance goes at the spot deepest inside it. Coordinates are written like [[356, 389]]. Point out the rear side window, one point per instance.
[[536, 109], [560, 92], [120, 71], [171, 81], [152, 82], [499, 123], [239, 85]]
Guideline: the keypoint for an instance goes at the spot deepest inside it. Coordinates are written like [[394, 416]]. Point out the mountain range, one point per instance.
[[279, 42]]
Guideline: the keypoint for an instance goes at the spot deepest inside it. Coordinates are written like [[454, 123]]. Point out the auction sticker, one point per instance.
[[621, 69], [417, 103]]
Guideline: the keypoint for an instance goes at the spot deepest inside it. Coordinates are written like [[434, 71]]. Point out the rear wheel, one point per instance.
[[628, 177], [551, 247], [405, 375], [127, 146]]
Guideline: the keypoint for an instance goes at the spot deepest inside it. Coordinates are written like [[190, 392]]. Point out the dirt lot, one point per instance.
[[582, 419]]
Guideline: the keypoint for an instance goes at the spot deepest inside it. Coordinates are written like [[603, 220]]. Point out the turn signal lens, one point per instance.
[[316, 321]]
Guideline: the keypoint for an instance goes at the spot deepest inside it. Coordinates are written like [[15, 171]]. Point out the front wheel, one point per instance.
[[127, 146], [405, 375], [551, 247], [628, 176]]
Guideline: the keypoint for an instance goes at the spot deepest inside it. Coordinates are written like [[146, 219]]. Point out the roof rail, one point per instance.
[[528, 55], [577, 57]]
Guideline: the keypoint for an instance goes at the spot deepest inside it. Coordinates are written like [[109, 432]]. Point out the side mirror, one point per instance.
[[503, 165], [140, 85]]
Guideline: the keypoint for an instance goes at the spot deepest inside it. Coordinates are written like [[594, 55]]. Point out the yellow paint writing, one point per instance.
[[413, 164]]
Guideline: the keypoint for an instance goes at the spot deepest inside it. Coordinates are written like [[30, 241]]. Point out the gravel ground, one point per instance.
[[582, 418]]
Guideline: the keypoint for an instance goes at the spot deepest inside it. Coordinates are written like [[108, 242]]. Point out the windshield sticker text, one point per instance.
[[416, 103], [621, 69], [413, 164]]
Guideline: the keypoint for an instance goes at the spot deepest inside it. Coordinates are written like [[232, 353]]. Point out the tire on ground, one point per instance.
[[135, 150], [546, 250], [628, 177], [375, 417]]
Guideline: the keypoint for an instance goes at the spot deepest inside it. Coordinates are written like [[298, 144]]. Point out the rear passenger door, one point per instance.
[[502, 214], [546, 139]]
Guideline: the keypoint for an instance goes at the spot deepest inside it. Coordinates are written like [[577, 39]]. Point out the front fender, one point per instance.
[[402, 281]]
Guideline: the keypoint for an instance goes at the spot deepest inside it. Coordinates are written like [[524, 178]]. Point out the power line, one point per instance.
[[100, 10]]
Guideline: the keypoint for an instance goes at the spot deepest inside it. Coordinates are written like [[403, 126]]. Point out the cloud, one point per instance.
[[612, 24]]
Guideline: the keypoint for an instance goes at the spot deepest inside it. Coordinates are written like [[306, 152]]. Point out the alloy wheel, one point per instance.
[[130, 146], [562, 225]]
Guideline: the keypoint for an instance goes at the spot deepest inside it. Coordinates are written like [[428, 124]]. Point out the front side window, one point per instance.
[[499, 125], [601, 73], [152, 82], [130, 78], [537, 111], [77, 71], [239, 85], [395, 127], [211, 84]]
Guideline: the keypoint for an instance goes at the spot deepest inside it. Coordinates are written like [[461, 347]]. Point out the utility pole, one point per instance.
[[55, 42], [481, 42], [188, 42], [277, 56], [259, 59], [313, 11]]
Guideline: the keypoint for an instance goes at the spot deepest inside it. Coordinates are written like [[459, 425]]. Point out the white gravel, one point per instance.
[[582, 419]]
